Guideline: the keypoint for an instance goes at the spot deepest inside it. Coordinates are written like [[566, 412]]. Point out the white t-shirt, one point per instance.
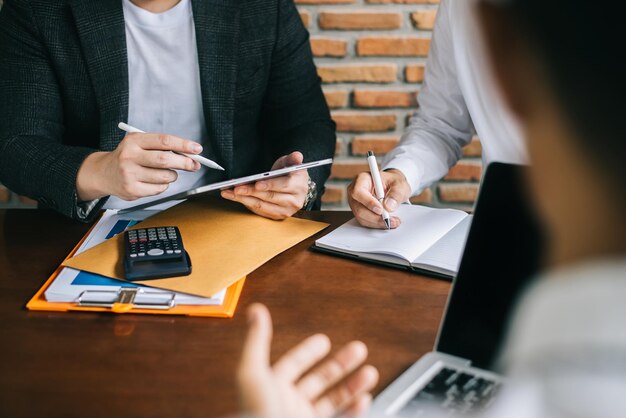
[[164, 82], [459, 96]]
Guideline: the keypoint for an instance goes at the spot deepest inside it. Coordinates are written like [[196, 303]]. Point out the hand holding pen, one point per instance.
[[198, 158], [368, 205], [143, 164]]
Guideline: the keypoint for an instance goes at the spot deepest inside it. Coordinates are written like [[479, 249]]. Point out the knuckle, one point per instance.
[[165, 140], [163, 159]]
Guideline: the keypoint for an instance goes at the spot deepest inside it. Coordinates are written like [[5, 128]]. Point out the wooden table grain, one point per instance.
[[103, 365]]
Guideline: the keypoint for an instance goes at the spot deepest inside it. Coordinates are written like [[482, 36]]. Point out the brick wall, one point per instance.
[[370, 55]]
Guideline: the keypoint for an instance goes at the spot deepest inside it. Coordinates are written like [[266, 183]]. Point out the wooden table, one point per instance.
[[97, 365]]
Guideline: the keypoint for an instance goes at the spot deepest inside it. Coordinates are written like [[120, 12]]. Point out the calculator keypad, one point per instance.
[[154, 242]]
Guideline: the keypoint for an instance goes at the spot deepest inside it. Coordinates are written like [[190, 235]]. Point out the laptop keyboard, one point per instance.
[[456, 392]]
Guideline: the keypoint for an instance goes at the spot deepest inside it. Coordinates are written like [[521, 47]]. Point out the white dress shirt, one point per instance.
[[164, 83], [458, 98]]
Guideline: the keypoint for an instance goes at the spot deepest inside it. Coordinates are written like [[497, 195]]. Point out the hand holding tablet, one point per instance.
[[229, 184], [276, 198]]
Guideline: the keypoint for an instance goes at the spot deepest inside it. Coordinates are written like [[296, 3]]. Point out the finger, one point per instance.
[[369, 219], [167, 143], [168, 160], [156, 176], [284, 200], [361, 191], [347, 393], [137, 190], [256, 349], [294, 183], [333, 370], [397, 193], [294, 158], [260, 207], [302, 357], [359, 407]]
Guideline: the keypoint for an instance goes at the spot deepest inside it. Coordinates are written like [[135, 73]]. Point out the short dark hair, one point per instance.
[[583, 48]]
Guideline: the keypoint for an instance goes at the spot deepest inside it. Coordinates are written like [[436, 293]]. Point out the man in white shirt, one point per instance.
[[566, 350], [458, 98]]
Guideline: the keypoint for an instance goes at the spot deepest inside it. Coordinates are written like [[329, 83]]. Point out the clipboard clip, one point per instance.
[[126, 299]]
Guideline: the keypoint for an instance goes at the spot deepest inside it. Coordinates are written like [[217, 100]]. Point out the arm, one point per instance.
[[33, 160], [442, 126], [295, 122], [295, 115]]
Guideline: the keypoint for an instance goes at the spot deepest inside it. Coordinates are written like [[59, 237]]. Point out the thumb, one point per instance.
[[256, 349], [294, 158], [397, 193]]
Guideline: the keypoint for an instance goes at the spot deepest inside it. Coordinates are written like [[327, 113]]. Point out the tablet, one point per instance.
[[229, 184]]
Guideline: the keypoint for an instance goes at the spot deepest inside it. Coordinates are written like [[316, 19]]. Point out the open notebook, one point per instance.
[[429, 240]]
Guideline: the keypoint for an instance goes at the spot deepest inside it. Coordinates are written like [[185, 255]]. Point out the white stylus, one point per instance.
[[378, 185], [204, 161]]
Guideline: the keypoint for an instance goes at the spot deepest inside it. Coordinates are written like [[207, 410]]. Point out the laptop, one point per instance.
[[503, 252]]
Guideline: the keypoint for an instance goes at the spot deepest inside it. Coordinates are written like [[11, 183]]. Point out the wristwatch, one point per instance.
[[311, 195]]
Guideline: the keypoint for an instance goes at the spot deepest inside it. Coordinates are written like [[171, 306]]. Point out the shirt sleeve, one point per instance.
[[442, 126], [34, 161]]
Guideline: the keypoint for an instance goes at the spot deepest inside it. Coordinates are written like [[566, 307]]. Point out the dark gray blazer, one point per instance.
[[64, 88]]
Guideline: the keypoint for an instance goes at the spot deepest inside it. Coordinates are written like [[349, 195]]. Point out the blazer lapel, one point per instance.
[[217, 37], [102, 34]]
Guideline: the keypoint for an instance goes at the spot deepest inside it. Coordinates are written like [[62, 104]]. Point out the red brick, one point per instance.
[[348, 169], [5, 194], [336, 98], [326, 47], [354, 73], [425, 197], [364, 122], [403, 1], [392, 46], [334, 194], [386, 98], [338, 147], [465, 170], [306, 18], [359, 20], [473, 149], [458, 193], [324, 1], [381, 145], [414, 73], [424, 19]]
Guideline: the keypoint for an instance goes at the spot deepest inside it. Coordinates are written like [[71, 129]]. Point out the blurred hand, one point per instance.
[[366, 207], [140, 166], [298, 384], [277, 198]]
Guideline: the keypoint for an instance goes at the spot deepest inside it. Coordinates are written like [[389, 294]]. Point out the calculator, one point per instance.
[[155, 253]]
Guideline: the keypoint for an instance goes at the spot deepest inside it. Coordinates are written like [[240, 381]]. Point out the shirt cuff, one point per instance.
[[410, 171], [83, 209]]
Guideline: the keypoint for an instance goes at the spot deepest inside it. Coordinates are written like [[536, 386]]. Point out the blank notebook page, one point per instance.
[[421, 227]]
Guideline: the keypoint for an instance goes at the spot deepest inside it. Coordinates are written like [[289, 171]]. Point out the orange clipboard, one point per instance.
[[124, 303]]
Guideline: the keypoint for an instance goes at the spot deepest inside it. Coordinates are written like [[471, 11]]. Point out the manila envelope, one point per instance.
[[224, 240]]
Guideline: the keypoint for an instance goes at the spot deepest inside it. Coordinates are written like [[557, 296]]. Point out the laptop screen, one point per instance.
[[502, 254]]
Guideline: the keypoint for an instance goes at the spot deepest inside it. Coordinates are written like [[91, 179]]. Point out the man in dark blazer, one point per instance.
[[64, 87]]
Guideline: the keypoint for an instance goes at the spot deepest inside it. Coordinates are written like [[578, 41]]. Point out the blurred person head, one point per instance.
[[561, 66]]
